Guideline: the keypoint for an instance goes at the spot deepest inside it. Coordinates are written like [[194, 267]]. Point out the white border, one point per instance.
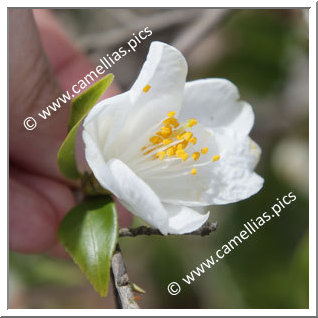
[[312, 167], [165, 3], [312, 158]]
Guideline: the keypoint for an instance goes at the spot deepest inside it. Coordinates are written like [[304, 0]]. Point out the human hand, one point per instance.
[[43, 62]]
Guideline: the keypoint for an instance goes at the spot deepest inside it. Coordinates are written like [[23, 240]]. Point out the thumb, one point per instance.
[[33, 86]]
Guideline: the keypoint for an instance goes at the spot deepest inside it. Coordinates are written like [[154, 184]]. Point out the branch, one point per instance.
[[155, 22], [122, 289], [204, 230], [208, 21]]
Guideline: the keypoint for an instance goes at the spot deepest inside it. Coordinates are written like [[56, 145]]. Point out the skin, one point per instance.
[[43, 63]]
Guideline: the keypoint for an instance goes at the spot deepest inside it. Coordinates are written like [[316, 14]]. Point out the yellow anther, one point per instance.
[[176, 140], [184, 144], [161, 155], [180, 152], [193, 171], [171, 114], [165, 131], [192, 122], [167, 141], [146, 88], [171, 151], [195, 156], [171, 121], [216, 158], [184, 157], [204, 150], [187, 136], [155, 140], [179, 146]]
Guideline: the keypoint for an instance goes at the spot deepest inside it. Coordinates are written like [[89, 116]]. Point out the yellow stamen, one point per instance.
[[171, 121], [171, 114], [195, 156], [146, 88], [151, 150], [171, 151], [167, 141], [179, 146], [180, 152], [165, 131], [187, 136], [193, 171], [216, 158], [155, 140], [161, 155], [192, 122], [172, 140], [184, 157], [184, 144], [204, 150]]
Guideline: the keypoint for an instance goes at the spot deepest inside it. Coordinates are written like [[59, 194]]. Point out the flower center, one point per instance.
[[174, 140]]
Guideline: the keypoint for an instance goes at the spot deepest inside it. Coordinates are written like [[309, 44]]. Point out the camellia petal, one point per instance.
[[183, 219], [104, 123], [164, 71], [161, 81], [228, 180], [168, 149], [158, 89], [135, 194], [215, 103]]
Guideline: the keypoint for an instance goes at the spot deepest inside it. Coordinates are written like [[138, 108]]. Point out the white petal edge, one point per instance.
[[105, 120], [165, 72], [183, 219], [242, 187], [133, 192], [215, 103], [132, 114]]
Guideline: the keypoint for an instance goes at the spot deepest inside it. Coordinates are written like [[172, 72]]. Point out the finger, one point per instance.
[[30, 72], [32, 220], [69, 63], [32, 87], [57, 194], [37, 205]]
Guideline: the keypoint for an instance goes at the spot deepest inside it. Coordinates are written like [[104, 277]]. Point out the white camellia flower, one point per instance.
[[167, 149]]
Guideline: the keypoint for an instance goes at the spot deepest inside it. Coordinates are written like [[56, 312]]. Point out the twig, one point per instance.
[[155, 22], [204, 230], [208, 21], [123, 292], [122, 288]]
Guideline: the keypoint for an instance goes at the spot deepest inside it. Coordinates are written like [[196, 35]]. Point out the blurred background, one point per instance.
[[265, 53]]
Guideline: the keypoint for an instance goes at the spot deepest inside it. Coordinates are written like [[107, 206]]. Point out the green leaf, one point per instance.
[[137, 288], [81, 105], [66, 155], [89, 233]]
